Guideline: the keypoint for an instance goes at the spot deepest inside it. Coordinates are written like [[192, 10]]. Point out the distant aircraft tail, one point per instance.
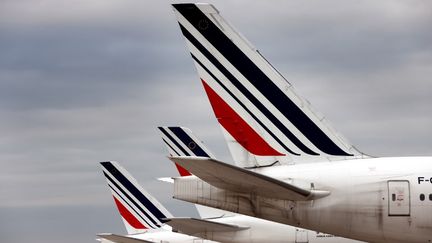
[[257, 108], [181, 141], [139, 210]]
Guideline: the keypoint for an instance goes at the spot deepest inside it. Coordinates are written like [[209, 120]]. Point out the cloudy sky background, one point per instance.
[[86, 81]]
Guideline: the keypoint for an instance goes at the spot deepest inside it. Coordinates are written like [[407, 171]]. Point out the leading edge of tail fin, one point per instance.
[[139, 210], [253, 103]]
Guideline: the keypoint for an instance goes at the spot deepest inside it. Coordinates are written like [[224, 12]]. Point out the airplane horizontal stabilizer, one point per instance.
[[122, 238], [193, 226], [233, 178], [166, 179]]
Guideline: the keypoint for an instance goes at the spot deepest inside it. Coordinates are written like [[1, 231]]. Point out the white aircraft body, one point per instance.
[[293, 167], [180, 141], [146, 220]]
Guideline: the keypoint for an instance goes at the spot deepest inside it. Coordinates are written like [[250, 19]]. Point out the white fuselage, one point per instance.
[[375, 200], [258, 231], [265, 231]]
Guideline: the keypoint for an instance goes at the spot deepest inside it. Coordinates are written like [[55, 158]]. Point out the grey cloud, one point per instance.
[[68, 67], [51, 224], [343, 36]]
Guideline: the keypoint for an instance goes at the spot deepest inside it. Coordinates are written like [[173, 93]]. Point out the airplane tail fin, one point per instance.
[[263, 118], [181, 141], [139, 210]]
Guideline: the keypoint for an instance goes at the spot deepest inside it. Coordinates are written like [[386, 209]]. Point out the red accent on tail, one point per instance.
[[237, 127], [182, 171], [130, 218]]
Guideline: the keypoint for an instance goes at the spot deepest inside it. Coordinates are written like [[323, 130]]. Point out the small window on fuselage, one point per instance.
[[422, 197]]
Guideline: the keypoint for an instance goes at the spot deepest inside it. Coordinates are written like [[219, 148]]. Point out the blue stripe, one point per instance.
[[167, 144], [174, 141], [188, 141]]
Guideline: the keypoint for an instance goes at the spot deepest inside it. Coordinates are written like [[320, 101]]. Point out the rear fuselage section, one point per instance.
[[375, 200]]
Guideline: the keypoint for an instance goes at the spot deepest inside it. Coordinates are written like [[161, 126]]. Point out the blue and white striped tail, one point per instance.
[[253, 103], [180, 141], [139, 210]]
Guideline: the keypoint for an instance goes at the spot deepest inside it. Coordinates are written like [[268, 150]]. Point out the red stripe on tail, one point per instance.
[[182, 171], [128, 216], [237, 127]]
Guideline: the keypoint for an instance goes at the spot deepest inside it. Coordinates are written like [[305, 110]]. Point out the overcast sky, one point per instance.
[[87, 81]]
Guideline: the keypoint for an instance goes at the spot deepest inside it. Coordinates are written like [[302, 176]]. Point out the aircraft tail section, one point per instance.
[[139, 210], [193, 226], [236, 179], [254, 104], [183, 142], [180, 141]]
